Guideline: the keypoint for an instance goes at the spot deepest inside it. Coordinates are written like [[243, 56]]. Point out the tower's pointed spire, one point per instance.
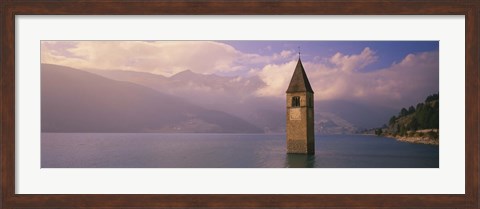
[[299, 82]]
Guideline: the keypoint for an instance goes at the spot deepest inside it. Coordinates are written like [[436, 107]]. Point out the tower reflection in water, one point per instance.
[[299, 161]]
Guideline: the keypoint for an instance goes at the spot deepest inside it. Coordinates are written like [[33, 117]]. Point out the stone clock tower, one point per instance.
[[300, 129]]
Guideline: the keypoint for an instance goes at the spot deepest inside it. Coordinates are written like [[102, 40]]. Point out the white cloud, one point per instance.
[[354, 62], [160, 57], [286, 53], [276, 78], [403, 83]]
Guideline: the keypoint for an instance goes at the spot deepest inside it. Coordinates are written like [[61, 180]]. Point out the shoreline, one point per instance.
[[416, 140]]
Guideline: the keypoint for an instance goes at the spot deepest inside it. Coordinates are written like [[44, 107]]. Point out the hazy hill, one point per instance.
[[188, 83], [233, 95], [77, 101], [329, 123], [359, 115]]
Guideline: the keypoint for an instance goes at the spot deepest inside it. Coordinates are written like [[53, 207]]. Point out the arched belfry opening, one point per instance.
[[300, 120]]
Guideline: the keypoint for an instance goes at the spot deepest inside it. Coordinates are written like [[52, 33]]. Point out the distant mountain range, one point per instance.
[[113, 100], [77, 101]]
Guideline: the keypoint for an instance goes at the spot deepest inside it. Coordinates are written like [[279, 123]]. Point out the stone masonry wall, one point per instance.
[[300, 133]]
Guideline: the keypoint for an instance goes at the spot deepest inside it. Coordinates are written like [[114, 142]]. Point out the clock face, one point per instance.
[[295, 114]]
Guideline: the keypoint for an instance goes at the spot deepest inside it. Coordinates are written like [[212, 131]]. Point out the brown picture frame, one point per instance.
[[9, 9]]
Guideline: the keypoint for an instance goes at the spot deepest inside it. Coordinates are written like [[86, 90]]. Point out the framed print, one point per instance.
[[259, 104]]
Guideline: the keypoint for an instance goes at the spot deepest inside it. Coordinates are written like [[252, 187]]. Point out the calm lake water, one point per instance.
[[145, 150]]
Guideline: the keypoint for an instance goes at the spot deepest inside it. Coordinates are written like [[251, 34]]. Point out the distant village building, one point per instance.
[[300, 121]]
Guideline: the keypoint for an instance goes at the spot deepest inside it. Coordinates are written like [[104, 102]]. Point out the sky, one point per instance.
[[386, 72]]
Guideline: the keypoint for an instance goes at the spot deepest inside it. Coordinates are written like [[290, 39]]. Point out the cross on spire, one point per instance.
[[298, 52]]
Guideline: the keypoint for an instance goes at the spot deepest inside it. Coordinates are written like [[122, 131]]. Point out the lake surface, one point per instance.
[[153, 150]]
